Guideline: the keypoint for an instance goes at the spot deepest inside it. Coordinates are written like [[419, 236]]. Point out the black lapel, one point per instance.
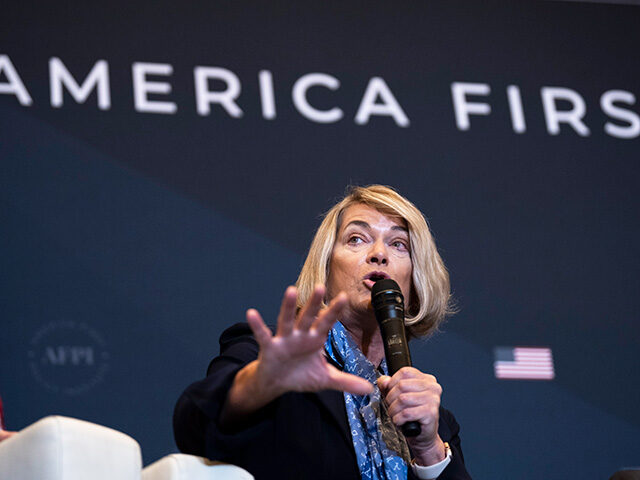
[[333, 402]]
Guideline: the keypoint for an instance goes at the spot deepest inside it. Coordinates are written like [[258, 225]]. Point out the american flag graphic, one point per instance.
[[528, 363]]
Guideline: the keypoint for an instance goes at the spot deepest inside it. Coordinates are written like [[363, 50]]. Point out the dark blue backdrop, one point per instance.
[[120, 226]]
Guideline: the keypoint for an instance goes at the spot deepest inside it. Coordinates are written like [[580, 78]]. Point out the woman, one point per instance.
[[312, 401]]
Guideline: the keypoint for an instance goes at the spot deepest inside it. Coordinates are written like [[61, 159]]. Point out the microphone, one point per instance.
[[388, 305]]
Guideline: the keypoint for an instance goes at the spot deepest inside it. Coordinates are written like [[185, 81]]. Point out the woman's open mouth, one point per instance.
[[372, 277]]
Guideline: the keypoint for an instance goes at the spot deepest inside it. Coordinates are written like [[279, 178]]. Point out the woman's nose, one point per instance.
[[378, 254]]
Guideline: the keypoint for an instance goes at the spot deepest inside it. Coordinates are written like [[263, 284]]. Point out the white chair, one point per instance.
[[62, 448], [187, 467]]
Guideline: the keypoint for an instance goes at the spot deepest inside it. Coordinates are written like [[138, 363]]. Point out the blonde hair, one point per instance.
[[430, 280]]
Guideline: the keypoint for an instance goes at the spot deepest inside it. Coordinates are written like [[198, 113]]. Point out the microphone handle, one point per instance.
[[411, 429], [396, 351]]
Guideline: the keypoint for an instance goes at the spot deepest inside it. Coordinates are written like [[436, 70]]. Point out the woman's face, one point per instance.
[[370, 245]]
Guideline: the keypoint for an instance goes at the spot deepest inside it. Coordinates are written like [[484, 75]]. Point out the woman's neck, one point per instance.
[[366, 333]]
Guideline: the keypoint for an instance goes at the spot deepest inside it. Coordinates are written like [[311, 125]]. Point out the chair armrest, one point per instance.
[[179, 466], [57, 448]]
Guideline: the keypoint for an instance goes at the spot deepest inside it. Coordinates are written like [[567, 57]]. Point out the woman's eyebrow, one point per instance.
[[358, 223], [365, 225]]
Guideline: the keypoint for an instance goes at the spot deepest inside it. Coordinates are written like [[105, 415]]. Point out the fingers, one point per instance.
[[409, 392], [423, 401], [312, 315], [425, 414], [287, 315], [422, 390], [412, 385], [310, 311], [412, 395], [383, 384], [411, 378], [328, 317], [260, 331]]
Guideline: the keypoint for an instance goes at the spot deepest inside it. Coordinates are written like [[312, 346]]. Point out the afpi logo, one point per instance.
[[68, 357]]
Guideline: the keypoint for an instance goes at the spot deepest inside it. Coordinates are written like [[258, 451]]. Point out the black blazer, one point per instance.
[[297, 436]]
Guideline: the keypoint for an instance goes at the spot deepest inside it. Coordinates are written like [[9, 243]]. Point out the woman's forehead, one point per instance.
[[361, 213]]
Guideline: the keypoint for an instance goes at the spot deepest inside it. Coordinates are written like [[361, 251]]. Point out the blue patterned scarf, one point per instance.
[[381, 449]]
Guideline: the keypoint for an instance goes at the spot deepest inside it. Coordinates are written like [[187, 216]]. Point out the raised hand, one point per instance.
[[293, 359]]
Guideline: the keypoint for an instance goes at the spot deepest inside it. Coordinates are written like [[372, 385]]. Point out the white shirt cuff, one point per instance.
[[432, 471]]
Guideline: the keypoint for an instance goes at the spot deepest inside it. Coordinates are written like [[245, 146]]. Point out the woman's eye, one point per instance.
[[355, 240], [400, 245]]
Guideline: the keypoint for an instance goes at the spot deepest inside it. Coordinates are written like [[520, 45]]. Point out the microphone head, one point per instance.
[[386, 292], [384, 285]]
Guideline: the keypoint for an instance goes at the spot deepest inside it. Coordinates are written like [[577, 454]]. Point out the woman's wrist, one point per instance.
[[431, 454], [249, 392]]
